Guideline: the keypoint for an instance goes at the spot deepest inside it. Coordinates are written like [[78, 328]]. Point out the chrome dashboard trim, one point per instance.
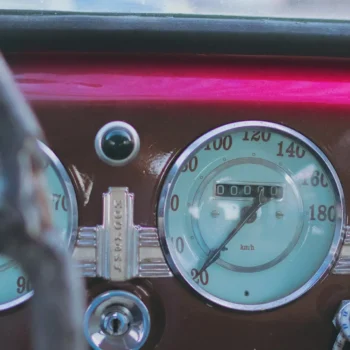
[[342, 266], [118, 250]]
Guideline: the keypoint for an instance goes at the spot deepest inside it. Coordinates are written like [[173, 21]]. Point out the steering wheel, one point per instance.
[[25, 226]]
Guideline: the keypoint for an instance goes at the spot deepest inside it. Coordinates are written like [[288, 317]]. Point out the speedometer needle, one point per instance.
[[214, 254]]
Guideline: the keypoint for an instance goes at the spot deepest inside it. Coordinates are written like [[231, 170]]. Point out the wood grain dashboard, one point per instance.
[[171, 101]]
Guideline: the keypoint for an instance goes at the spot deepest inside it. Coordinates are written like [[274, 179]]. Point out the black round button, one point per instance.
[[117, 144]]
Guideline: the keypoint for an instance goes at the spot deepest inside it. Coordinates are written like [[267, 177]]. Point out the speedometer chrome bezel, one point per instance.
[[73, 213], [174, 173]]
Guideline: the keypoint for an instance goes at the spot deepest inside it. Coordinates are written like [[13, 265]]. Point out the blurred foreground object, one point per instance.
[[25, 226]]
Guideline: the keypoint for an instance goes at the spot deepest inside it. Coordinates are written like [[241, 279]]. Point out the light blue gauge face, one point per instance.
[[15, 287], [250, 215]]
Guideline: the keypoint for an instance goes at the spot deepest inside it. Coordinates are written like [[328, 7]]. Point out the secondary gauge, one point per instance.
[[250, 215], [15, 287]]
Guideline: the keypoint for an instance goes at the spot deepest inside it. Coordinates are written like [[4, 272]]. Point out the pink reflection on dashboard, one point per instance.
[[73, 77]]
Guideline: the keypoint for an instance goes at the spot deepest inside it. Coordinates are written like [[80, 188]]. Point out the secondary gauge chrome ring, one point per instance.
[[72, 228], [18, 301], [67, 184], [176, 170]]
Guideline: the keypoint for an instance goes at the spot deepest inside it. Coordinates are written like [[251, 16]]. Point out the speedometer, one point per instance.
[[250, 215], [15, 287]]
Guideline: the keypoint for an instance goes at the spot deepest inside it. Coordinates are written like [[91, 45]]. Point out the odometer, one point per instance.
[[250, 215], [248, 190]]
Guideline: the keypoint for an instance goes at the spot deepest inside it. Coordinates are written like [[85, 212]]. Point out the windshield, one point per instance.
[[324, 9]]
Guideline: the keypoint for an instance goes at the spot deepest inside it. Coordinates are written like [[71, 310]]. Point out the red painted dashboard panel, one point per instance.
[[171, 101], [61, 77]]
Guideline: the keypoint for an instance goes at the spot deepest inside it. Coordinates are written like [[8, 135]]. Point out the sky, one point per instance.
[[327, 9]]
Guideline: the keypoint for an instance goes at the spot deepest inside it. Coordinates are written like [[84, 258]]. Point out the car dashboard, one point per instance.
[[204, 197]]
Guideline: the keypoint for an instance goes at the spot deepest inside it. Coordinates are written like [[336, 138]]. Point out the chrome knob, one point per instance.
[[342, 322], [117, 320]]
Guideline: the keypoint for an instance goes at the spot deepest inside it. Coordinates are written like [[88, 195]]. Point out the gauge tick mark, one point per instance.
[[279, 215], [214, 213]]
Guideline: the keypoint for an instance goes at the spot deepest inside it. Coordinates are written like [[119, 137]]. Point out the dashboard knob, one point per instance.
[[117, 143], [342, 322], [117, 320]]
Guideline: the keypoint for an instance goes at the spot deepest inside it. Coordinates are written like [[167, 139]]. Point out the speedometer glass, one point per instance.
[[15, 287], [250, 215]]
